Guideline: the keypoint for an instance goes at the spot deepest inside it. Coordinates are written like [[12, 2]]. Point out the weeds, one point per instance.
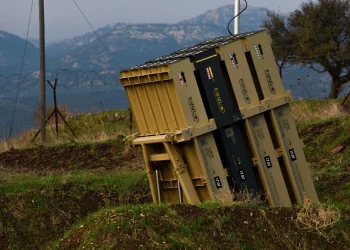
[[243, 197], [318, 218], [307, 110], [249, 198], [57, 201], [190, 227]]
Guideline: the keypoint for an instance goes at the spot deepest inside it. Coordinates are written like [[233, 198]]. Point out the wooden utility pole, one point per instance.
[[42, 74]]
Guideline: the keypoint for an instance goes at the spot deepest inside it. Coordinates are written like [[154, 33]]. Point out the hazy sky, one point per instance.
[[63, 19]]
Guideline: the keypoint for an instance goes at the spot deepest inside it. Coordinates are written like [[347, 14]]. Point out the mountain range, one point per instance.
[[11, 54], [121, 45]]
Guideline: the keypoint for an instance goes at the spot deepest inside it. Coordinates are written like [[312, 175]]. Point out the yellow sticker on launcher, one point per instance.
[[219, 100]]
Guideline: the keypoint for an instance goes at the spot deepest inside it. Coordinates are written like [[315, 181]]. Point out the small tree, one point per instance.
[[276, 26], [317, 35]]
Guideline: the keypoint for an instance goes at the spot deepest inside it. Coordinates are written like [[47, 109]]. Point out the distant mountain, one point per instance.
[[131, 44], [34, 41], [11, 54], [136, 43], [250, 19], [128, 44], [61, 48]]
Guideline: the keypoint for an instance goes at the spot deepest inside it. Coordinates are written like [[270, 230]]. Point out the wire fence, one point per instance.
[[66, 79], [97, 91], [81, 92]]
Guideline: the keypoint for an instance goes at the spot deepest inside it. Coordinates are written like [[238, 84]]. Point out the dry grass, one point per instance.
[[318, 218], [49, 109], [304, 111], [243, 197], [105, 126], [225, 198], [20, 142], [248, 198], [88, 128]]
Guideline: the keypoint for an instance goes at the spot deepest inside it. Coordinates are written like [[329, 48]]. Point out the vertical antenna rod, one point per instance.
[[236, 21], [42, 74]]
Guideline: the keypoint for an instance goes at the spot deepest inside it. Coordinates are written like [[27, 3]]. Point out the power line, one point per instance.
[[81, 11], [22, 65]]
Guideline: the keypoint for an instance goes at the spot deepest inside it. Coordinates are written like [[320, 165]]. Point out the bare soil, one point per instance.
[[105, 156]]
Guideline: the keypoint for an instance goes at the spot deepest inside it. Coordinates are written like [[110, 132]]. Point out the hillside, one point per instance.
[[134, 43], [88, 194], [251, 18], [11, 54], [129, 44]]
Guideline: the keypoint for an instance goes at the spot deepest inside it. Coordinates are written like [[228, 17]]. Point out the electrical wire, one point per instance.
[[87, 20], [22, 66], [228, 25]]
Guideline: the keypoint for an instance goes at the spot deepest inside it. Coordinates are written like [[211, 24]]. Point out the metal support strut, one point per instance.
[[158, 186]]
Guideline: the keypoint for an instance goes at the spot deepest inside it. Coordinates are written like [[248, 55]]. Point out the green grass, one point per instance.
[[18, 183], [330, 171], [38, 209], [92, 125], [191, 227], [35, 210]]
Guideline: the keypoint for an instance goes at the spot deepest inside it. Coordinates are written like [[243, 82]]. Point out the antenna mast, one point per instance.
[[236, 21]]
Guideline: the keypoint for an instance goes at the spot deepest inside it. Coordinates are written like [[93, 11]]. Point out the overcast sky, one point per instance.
[[63, 19]]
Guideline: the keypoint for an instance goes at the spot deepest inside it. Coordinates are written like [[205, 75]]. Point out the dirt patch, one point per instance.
[[188, 211], [35, 218], [107, 156], [3, 239], [311, 132]]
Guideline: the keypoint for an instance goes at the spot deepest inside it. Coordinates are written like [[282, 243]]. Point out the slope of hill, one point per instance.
[[11, 54], [250, 19], [51, 195], [60, 48], [136, 43], [131, 44]]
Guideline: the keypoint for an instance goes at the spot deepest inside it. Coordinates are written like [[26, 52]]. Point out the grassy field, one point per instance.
[[91, 192], [209, 226], [87, 128]]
